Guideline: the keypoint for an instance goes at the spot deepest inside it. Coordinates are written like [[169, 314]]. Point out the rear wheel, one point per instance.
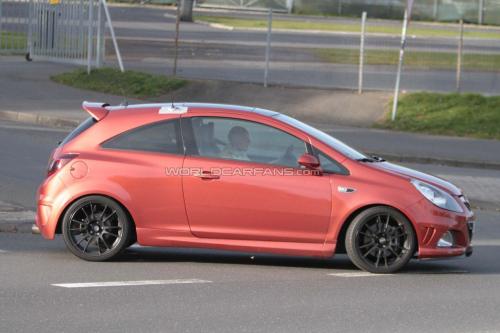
[[380, 240], [96, 228]]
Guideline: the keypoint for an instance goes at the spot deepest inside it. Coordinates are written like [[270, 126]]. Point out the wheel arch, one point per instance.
[[340, 247], [58, 229]]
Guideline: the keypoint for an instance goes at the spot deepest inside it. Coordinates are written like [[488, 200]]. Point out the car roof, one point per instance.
[[155, 107]]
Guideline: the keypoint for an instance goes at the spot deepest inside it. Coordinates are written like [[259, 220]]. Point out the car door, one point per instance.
[[138, 159], [254, 191]]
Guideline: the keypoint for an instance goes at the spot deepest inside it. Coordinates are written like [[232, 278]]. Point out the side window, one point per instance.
[[162, 137], [236, 139], [330, 165]]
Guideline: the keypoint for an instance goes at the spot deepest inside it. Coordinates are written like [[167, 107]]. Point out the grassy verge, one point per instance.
[[419, 59], [448, 114], [339, 27], [12, 42], [111, 81]]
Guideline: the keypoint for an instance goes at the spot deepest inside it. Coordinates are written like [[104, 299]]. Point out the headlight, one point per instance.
[[437, 197]]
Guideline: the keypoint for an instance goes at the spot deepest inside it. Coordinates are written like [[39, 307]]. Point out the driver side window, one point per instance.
[[243, 140]]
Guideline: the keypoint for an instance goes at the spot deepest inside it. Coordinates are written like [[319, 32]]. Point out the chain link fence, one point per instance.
[[289, 50], [327, 53]]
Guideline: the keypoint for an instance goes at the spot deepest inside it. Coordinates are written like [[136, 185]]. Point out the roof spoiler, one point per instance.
[[97, 110]]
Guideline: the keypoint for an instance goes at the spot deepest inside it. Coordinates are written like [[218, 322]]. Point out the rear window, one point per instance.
[[162, 137], [79, 130]]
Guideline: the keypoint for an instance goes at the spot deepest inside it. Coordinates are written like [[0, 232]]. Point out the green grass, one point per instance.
[[111, 81], [448, 114], [12, 41], [451, 31], [419, 59]]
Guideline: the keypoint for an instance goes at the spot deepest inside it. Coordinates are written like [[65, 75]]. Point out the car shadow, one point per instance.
[[484, 260]]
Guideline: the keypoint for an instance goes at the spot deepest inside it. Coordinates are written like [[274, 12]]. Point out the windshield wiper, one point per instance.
[[366, 160], [378, 159], [372, 159]]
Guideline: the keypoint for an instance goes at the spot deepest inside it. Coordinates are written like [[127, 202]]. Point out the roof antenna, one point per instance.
[[173, 101], [125, 101]]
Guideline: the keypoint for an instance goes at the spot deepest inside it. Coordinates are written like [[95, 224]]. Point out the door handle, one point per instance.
[[207, 175]]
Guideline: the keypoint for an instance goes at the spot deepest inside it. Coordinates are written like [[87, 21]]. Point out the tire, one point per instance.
[[96, 228], [380, 240]]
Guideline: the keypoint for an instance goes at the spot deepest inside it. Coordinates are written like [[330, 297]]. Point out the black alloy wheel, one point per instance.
[[380, 240], [96, 228]]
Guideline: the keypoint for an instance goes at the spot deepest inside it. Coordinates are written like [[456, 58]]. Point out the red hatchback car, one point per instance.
[[244, 179]]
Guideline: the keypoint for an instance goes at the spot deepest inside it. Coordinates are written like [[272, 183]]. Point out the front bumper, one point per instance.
[[432, 223]]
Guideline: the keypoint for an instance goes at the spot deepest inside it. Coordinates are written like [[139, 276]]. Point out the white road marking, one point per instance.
[[128, 283], [3, 251], [357, 274]]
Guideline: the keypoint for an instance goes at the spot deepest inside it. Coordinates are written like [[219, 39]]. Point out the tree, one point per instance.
[[186, 10]]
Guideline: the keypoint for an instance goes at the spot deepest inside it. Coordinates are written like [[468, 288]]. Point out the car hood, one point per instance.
[[411, 173]]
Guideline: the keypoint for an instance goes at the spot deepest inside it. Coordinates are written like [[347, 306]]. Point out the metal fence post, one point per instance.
[[90, 36], [29, 46], [362, 53], [459, 54], [435, 10], [480, 15], [400, 66], [1, 39], [268, 46], [98, 51], [176, 47]]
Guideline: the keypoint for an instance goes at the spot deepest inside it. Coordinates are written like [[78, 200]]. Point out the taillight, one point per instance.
[[59, 163]]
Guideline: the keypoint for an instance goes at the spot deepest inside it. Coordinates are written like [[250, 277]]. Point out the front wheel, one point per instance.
[[380, 240], [96, 228]]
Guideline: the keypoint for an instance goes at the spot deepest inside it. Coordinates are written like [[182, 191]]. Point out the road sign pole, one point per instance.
[[400, 67], [459, 54], [176, 42], [268, 46], [362, 53]]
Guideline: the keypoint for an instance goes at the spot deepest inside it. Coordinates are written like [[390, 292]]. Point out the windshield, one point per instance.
[[323, 137]]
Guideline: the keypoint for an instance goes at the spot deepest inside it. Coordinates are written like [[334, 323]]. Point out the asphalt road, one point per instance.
[[214, 291], [146, 39]]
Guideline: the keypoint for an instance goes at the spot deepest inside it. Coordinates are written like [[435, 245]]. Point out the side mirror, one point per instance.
[[309, 161]]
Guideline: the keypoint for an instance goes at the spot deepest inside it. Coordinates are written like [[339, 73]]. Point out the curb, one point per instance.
[[38, 119], [52, 121], [16, 227]]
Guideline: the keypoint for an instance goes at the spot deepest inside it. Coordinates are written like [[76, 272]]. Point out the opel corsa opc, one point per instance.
[[242, 179]]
